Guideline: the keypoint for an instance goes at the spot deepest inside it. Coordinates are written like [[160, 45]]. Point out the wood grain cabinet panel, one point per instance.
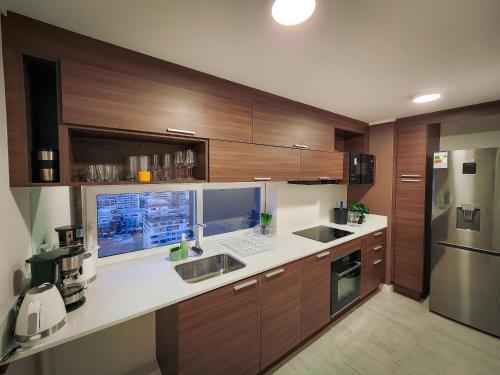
[[409, 234], [373, 261], [285, 125], [280, 312], [411, 151], [219, 331], [104, 98], [317, 164], [315, 293], [231, 161]]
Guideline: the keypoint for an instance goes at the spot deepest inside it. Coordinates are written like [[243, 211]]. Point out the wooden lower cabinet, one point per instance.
[[215, 333], [315, 293], [232, 161], [280, 312], [245, 327], [373, 262]]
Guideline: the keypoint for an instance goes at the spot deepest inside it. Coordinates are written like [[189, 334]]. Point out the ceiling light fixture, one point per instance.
[[426, 98], [292, 12]]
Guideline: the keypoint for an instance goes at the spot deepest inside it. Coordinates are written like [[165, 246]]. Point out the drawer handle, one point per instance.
[[410, 175], [377, 234], [325, 178], [300, 146], [181, 131], [323, 255], [279, 271], [409, 180], [245, 285], [262, 178], [377, 262], [377, 248]]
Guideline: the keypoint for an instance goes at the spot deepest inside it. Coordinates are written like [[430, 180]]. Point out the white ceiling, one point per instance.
[[360, 58]]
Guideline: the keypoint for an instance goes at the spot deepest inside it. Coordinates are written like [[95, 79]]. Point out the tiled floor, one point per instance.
[[392, 334]]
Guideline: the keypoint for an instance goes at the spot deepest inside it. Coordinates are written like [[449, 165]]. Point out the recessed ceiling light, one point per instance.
[[426, 98], [292, 12]]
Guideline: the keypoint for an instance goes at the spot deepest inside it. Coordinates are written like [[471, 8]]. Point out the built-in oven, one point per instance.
[[346, 281]]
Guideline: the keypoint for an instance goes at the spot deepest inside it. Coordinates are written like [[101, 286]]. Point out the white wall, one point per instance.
[[480, 132], [300, 206], [14, 231], [49, 208]]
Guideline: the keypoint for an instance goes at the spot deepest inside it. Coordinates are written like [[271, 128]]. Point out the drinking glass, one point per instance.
[[167, 167], [178, 165], [190, 162], [144, 168], [156, 171], [132, 168], [91, 173], [101, 176], [108, 172]]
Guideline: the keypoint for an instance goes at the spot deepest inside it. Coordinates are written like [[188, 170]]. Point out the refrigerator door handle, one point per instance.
[[468, 248]]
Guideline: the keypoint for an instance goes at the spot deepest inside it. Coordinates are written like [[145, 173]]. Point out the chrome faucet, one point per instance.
[[197, 247]]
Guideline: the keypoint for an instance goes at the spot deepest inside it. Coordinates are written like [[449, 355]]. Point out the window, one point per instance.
[[228, 210], [137, 221]]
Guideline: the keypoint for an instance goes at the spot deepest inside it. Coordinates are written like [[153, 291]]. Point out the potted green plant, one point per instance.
[[265, 222], [360, 209]]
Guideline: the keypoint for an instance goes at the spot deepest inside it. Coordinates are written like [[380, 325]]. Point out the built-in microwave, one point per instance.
[[361, 168]]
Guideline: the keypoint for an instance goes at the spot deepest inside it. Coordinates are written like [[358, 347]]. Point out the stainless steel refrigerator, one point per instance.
[[465, 251]]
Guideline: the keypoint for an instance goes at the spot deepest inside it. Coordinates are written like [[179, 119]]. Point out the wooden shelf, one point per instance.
[[86, 145], [86, 183]]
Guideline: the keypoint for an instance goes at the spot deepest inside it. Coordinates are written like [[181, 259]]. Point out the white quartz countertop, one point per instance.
[[126, 290]]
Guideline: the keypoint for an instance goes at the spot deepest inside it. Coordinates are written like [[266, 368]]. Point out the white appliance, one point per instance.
[[42, 313]]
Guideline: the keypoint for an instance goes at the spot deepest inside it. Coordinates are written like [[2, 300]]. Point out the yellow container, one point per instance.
[[144, 176]]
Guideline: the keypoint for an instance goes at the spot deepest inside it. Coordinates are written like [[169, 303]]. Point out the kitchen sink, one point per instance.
[[206, 268]]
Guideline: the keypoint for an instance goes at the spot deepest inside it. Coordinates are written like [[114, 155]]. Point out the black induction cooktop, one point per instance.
[[322, 233]]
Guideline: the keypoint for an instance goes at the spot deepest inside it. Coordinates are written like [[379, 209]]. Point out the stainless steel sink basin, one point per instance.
[[206, 268]]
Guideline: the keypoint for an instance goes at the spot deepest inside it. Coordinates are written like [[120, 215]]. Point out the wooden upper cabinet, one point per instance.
[[232, 161], [275, 126], [284, 125], [105, 98], [411, 151], [280, 312], [218, 332], [315, 293], [321, 165], [409, 234]]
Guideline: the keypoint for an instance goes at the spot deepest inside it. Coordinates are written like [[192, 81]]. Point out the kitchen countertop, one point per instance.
[[126, 290]]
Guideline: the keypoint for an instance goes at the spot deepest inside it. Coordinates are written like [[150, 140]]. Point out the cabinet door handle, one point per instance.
[[377, 262], [323, 255], [377, 248], [262, 178], [410, 175], [245, 285], [181, 131], [377, 234], [300, 146], [277, 272], [324, 178], [410, 180]]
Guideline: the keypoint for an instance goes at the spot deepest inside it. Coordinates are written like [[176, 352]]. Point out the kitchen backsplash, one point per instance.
[[301, 206]]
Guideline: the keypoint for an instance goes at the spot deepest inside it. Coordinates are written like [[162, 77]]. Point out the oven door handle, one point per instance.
[[342, 274]]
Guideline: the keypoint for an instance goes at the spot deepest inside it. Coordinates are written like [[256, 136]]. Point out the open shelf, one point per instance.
[[41, 95], [102, 146], [347, 141]]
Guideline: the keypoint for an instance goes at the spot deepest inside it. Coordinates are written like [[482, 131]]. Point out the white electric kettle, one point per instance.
[[42, 313]]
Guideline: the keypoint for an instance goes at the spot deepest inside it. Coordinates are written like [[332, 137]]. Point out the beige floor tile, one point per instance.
[[392, 334]]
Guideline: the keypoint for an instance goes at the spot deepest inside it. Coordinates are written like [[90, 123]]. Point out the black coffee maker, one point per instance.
[[60, 267]]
